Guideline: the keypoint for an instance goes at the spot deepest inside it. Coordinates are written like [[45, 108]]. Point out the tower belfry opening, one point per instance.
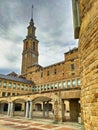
[[30, 47]]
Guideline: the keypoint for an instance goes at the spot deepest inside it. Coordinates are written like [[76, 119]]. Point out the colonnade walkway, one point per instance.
[[19, 123]]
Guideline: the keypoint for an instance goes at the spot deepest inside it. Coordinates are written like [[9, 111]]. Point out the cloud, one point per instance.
[[54, 30]]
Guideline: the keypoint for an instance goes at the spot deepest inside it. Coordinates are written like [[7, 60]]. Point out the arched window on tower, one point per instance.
[[33, 46], [26, 45]]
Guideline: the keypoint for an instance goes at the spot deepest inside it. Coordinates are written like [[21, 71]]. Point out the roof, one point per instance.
[[12, 74], [72, 50], [16, 79]]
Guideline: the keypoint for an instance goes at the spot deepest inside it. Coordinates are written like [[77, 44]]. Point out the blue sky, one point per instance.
[[54, 30]]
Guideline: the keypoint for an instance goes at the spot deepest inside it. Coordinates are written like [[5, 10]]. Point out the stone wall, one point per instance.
[[57, 72], [88, 55]]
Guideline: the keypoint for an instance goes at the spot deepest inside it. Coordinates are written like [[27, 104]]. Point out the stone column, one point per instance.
[[27, 109], [11, 109], [43, 109], [8, 112], [58, 108], [63, 110], [30, 112], [24, 109], [47, 109]]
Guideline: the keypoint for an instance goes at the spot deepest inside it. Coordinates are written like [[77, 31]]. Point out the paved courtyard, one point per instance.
[[19, 123]]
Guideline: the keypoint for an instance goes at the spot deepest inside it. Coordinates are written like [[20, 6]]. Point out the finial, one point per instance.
[[32, 12]]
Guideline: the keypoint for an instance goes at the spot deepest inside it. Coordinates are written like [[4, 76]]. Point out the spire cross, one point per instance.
[[32, 12]]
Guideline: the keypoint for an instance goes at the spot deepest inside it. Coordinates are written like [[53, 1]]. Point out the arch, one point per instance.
[[19, 100], [4, 101], [42, 99]]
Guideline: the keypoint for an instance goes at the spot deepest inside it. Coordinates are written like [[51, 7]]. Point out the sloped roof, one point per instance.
[[13, 74], [16, 79]]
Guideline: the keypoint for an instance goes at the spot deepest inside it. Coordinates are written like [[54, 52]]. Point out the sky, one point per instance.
[[54, 30]]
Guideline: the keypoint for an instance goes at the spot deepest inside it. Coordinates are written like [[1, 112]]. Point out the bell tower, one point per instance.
[[30, 47]]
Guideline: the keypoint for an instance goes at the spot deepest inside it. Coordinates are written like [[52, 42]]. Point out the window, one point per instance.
[[73, 83], [9, 85], [79, 82], [55, 71], [48, 73], [39, 88], [60, 85], [56, 85], [26, 45], [52, 86], [68, 83], [48, 86], [13, 94], [14, 86], [64, 84], [8, 94], [26, 88], [44, 87], [4, 84], [33, 89], [41, 74], [3, 94], [22, 87], [72, 67], [33, 46], [18, 86], [73, 74]]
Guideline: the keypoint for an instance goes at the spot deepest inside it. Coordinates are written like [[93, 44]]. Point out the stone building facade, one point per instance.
[[14, 86], [81, 63], [88, 57], [50, 87]]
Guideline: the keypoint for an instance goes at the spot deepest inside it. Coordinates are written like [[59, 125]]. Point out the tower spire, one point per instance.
[[32, 12]]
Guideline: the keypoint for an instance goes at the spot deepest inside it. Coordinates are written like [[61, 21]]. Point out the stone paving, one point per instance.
[[7, 123]]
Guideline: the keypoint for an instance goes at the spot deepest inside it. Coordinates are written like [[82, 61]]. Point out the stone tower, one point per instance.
[[30, 48], [88, 57]]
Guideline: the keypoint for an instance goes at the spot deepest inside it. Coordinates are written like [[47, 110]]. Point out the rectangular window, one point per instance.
[[26, 88], [8, 94], [13, 94], [9, 85], [68, 83], [73, 74], [52, 86], [60, 85], [4, 84], [64, 84], [14, 85], [48, 86], [44, 87], [78, 82], [73, 83], [33, 89], [22, 87], [72, 67], [39, 88], [48, 73], [55, 71], [56, 85], [18, 86], [41, 74], [3, 94]]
